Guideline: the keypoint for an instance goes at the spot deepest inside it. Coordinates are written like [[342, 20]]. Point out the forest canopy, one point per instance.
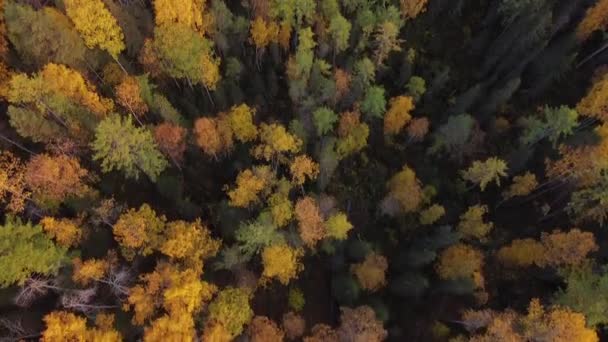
[[303, 170]]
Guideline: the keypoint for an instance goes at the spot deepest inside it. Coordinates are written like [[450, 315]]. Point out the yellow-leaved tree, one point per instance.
[[189, 242], [96, 25], [398, 114], [281, 262], [371, 273]]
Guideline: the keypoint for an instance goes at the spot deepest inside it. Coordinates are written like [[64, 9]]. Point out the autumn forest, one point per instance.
[[304, 170]]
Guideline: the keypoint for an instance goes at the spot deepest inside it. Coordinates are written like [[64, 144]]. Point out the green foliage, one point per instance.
[[416, 87], [339, 29], [43, 36], [325, 119], [557, 123], [374, 103], [586, 292], [119, 145], [295, 299], [255, 235], [453, 135], [482, 173], [25, 250]]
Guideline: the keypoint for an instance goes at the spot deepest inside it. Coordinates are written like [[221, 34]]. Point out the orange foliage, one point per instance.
[[53, 179], [213, 135], [138, 231], [250, 184], [89, 270], [171, 140], [128, 95], [596, 18], [294, 325], [521, 252], [262, 329], [460, 261], [264, 32], [567, 248], [348, 121], [310, 221], [371, 273], [12, 182], [303, 167], [360, 325], [342, 79], [398, 114], [417, 129], [64, 231], [405, 190], [595, 103], [322, 333]]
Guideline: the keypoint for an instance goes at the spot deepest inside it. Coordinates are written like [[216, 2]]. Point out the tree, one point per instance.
[[139, 231], [231, 309], [482, 173], [171, 140], [96, 25], [374, 103], [371, 273], [566, 248], [294, 325], [595, 103], [322, 333], [241, 123], [558, 122], [471, 223], [190, 13], [338, 226], [89, 270], [339, 30], [263, 33], [64, 326], [360, 324], [254, 236], [556, 324], [386, 40], [122, 146], [281, 207], [250, 184], [262, 329], [128, 95], [412, 8], [190, 242], [324, 119], [303, 167], [275, 143], [431, 214], [214, 135], [522, 185], [398, 114], [585, 292], [521, 253], [43, 36], [66, 232], [452, 136], [405, 193], [281, 262], [53, 179], [460, 261], [172, 327], [416, 87], [595, 19], [12, 182], [25, 250], [310, 222]]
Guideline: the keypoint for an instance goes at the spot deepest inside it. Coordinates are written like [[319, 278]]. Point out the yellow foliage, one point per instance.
[[310, 222], [595, 103], [521, 253], [281, 262], [263, 32], [431, 214], [371, 273], [64, 231], [284, 35], [12, 184], [89, 270], [64, 326], [186, 12], [412, 8], [471, 223], [338, 226], [249, 185], [303, 167], [482, 173], [60, 79], [459, 261], [398, 115], [522, 185], [215, 332], [210, 66], [173, 327], [281, 209], [190, 242], [139, 231], [275, 141], [96, 25], [596, 18], [405, 188], [241, 122]]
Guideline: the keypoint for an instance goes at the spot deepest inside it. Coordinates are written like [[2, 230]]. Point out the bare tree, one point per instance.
[[33, 289]]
